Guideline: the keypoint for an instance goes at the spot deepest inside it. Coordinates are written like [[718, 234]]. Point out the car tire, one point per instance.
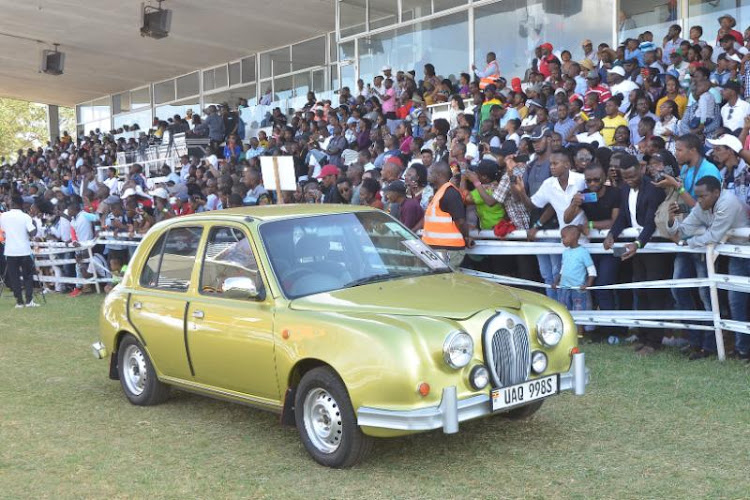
[[137, 374], [524, 412], [326, 421]]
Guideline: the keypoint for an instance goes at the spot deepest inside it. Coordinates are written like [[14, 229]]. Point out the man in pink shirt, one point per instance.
[[389, 100]]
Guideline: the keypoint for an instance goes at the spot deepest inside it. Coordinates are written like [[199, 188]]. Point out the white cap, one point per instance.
[[385, 68], [618, 70], [729, 141], [160, 193]]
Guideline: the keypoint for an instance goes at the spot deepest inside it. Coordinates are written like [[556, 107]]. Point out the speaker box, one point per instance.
[[53, 62], [156, 22]]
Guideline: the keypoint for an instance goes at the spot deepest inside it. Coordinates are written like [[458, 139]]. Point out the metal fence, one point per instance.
[[515, 244], [47, 254]]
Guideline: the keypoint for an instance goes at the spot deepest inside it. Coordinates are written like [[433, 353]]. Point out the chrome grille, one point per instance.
[[508, 353]]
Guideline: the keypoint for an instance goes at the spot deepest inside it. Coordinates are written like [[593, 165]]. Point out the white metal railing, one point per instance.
[[489, 244]]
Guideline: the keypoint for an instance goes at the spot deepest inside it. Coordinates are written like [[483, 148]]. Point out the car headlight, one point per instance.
[[538, 362], [458, 349], [549, 329], [479, 377]]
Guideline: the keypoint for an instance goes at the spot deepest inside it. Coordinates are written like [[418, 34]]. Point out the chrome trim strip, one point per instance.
[[450, 412], [221, 393]]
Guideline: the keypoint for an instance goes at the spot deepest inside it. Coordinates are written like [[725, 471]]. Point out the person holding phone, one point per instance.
[[639, 200], [601, 206], [716, 213]]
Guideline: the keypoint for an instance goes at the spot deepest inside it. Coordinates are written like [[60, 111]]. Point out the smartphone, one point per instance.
[[590, 198], [618, 251], [513, 179], [684, 209], [521, 158]]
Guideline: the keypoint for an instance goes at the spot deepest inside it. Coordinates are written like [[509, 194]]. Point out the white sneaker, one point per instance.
[[19, 306], [32, 304], [631, 339]]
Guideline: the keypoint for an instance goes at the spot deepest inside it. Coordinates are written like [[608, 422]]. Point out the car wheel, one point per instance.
[[326, 421], [137, 374], [524, 411]]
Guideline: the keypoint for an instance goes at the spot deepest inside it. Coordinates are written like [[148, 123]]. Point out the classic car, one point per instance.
[[336, 317]]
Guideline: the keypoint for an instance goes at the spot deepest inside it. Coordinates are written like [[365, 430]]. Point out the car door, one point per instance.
[[158, 305], [230, 339]]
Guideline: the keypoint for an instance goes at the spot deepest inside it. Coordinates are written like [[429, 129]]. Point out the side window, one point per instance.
[[228, 255], [150, 270], [175, 257]]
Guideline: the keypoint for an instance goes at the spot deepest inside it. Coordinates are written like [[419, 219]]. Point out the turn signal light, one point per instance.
[[574, 350], [285, 334], [423, 389]]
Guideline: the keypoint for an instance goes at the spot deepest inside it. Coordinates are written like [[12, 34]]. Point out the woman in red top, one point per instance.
[[368, 193], [728, 22]]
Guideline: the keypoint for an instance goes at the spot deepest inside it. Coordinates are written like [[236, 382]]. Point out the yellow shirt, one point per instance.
[[610, 125], [680, 100]]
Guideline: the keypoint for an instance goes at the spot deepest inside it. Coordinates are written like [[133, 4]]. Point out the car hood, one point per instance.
[[448, 295]]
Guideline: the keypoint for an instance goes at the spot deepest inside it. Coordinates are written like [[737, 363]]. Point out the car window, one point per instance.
[[228, 255], [151, 267], [177, 259]]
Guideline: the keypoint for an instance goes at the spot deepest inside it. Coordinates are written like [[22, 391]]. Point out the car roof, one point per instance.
[[274, 212]]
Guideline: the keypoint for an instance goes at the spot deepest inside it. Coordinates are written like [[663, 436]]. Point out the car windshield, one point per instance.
[[328, 252]]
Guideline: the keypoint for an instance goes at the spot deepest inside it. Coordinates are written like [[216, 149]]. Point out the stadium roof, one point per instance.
[[105, 53]]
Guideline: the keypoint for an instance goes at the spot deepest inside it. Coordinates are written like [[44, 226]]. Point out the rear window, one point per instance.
[[170, 264]]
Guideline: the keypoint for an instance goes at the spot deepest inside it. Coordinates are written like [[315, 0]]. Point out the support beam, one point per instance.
[[53, 122]]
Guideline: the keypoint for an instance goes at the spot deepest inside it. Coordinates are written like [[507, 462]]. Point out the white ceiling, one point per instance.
[[105, 54]]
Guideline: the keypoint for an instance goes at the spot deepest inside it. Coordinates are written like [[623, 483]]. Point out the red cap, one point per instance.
[[547, 46], [576, 96], [396, 160], [328, 170], [515, 84]]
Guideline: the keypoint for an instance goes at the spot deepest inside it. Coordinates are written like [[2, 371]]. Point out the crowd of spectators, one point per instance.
[[653, 134]]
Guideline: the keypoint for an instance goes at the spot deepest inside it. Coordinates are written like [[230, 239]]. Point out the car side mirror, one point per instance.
[[242, 288]]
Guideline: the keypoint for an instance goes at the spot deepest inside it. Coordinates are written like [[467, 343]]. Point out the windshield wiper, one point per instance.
[[383, 277]]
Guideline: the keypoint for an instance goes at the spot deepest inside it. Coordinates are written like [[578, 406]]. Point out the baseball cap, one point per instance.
[[113, 200], [618, 70], [328, 170], [396, 186], [647, 47], [395, 160], [160, 193], [385, 68], [515, 84], [535, 102], [727, 140], [540, 133], [508, 148], [560, 91]]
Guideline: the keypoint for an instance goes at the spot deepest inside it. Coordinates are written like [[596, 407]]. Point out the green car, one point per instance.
[[338, 318]]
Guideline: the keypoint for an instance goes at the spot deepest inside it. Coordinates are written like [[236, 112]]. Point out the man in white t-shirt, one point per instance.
[[18, 228]]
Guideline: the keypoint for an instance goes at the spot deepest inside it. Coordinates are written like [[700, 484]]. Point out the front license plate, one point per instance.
[[525, 392]]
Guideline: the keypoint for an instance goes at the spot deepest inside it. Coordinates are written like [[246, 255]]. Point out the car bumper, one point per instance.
[[451, 411]]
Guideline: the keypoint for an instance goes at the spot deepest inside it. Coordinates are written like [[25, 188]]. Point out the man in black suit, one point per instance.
[[639, 201]]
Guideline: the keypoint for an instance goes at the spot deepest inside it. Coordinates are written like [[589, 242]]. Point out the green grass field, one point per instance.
[[658, 427]]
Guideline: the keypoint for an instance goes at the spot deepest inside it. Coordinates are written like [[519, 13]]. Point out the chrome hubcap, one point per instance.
[[135, 373], [322, 417]]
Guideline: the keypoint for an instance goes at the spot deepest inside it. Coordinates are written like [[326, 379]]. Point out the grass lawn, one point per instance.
[[648, 428]]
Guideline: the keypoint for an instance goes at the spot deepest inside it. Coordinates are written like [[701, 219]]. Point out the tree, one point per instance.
[[23, 125]]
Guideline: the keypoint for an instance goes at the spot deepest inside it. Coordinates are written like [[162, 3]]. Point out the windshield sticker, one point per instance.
[[425, 254]]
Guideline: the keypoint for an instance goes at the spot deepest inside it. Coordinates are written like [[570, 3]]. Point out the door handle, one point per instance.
[[198, 314], [137, 305]]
